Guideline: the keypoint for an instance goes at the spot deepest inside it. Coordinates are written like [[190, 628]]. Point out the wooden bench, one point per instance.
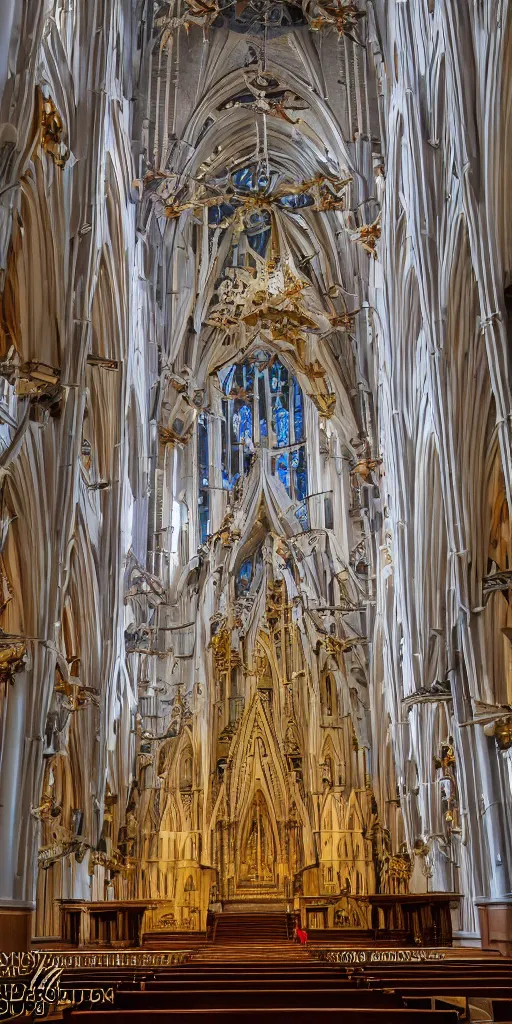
[[475, 990], [387, 993], [350, 1015], [502, 1010], [239, 983], [204, 999]]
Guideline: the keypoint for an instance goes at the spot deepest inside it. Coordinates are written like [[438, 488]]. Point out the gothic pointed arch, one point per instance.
[[259, 850]]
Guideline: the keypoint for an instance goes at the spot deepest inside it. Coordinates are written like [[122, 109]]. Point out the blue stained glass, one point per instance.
[[302, 515], [226, 482], [204, 523], [245, 430], [226, 378], [296, 202], [259, 242], [250, 380], [301, 484], [282, 422], [242, 97], [244, 575], [249, 180], [298, 413], [216, 214], [248, 369], [244, 178], [258, 220], [204, 496], [283, 471], [258, 230], [239, 376], [300, 474]]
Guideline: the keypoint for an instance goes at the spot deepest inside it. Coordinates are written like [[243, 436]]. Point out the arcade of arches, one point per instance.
[[255, 279]]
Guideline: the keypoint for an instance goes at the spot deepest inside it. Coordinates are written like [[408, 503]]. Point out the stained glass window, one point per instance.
[[204, 477], [248, 574], [256, 182], [263, 408], [296, 202], [244, 576]]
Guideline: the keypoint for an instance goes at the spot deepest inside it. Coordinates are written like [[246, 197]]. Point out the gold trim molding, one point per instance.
[[108, 958], [377, 956]]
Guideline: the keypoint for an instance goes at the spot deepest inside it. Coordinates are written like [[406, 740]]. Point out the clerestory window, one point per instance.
[[262, 411], [263, 408]]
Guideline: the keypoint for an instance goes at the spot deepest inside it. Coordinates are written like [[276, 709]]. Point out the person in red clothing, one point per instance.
[[300, 935]]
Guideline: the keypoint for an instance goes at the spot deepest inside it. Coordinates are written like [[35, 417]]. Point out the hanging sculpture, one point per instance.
[[248, 191], [274, 14]]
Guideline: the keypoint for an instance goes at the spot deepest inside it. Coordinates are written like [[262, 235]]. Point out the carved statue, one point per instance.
[[221, 646], [503, 733], [52, 132], [368, 236], [341, 15]]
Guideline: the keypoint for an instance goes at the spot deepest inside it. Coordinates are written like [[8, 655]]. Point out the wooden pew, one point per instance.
[[240, 983], [502, 1010], [443, 977], [476, 990], [349, 1015], [205, 999]]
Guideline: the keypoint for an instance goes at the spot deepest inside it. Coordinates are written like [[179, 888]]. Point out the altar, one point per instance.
[[419, 919], [104, 923]]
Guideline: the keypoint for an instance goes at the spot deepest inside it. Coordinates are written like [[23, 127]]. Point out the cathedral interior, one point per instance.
[[255, 470]]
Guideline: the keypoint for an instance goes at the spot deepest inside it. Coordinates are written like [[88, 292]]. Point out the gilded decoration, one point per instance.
[[12, 660], [324, 193], [76, 696], [319, 15], [399, 871], [446, 766], [503, 733], [52, 133], [368, 236], [325, 403], [221, 647]]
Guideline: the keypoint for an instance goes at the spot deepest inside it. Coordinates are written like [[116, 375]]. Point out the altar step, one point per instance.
[[173, 940], [264, 953], [243, 929], [264, 905], [354, 938]]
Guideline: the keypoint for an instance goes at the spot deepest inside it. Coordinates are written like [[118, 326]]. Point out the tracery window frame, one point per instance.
[[255, 385], [265, 383]]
